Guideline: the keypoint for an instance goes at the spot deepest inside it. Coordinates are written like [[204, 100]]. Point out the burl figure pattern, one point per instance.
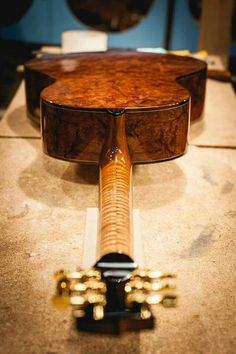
[[80, 92]]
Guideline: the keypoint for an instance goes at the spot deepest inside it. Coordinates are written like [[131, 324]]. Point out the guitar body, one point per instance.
[[80, 92], [115, 109]]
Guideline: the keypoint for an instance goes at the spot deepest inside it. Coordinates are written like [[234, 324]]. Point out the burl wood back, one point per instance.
[[79, 91]]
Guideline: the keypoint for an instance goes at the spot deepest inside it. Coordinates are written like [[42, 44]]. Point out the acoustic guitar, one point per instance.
[[115, 109]]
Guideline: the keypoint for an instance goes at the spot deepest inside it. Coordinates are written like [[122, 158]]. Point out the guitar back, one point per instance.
[[80, 92]]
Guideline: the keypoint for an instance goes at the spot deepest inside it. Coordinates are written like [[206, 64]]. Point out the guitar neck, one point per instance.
[[115, 225]]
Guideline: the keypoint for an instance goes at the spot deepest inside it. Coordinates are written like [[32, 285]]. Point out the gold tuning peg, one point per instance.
[[141, 273], [63, 287], [81, 289], [167, 300], [145, 312], [98, 312], [151, 275], [148, 288], [62, 274], [159, 275], [75, 276], [158, 286], [61, 299], [91, 273], [77, 300], [96, 298], [78, 287], [137, 284], [96, 285], [78, 313], [137, 297]]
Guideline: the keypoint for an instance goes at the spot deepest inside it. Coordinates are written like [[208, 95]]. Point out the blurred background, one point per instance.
[[27, 25]]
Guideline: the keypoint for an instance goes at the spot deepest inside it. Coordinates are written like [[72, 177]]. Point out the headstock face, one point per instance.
[[114, 296]]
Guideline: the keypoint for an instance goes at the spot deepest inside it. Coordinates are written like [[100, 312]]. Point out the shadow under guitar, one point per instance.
[[75, 185]]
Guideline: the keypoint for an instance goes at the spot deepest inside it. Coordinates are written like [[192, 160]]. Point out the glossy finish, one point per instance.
[[77, 91], [79, 136], [115, 192], [114, 79]]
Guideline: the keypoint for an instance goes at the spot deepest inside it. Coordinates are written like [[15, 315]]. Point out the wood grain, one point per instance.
[[115, 226], [80, 135], [115, 79], [153, 90]]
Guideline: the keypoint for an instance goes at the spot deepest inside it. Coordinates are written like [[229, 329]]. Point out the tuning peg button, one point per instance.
[[138, 297], [145, 312], [75, 275], [151, 275], [91, 273], [158, 286], [141, 273], [77, 300], [79, 287], [98, 312], [95, 285], [63, 287]]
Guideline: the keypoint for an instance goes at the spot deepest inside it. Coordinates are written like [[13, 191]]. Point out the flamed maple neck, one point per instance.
[[115, 226]]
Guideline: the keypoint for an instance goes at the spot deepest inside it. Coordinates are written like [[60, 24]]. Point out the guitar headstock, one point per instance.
[[114, 297]]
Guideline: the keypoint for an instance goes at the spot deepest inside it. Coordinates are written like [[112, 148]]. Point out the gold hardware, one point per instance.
[[149, 274], [85, 288], [136, 297], [78, 300], [98, 312], [149, 288], [81, 289], [145, 312], [91, 273], [78, 313], [96, 285], [74, 275]]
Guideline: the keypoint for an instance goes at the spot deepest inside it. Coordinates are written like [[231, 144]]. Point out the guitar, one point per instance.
[[115, 109]]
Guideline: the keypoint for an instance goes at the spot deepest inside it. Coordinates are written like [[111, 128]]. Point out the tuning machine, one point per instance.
[[146, 288], [84, 290]]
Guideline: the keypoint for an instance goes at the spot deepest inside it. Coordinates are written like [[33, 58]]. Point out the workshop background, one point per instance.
[[45, 20]]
